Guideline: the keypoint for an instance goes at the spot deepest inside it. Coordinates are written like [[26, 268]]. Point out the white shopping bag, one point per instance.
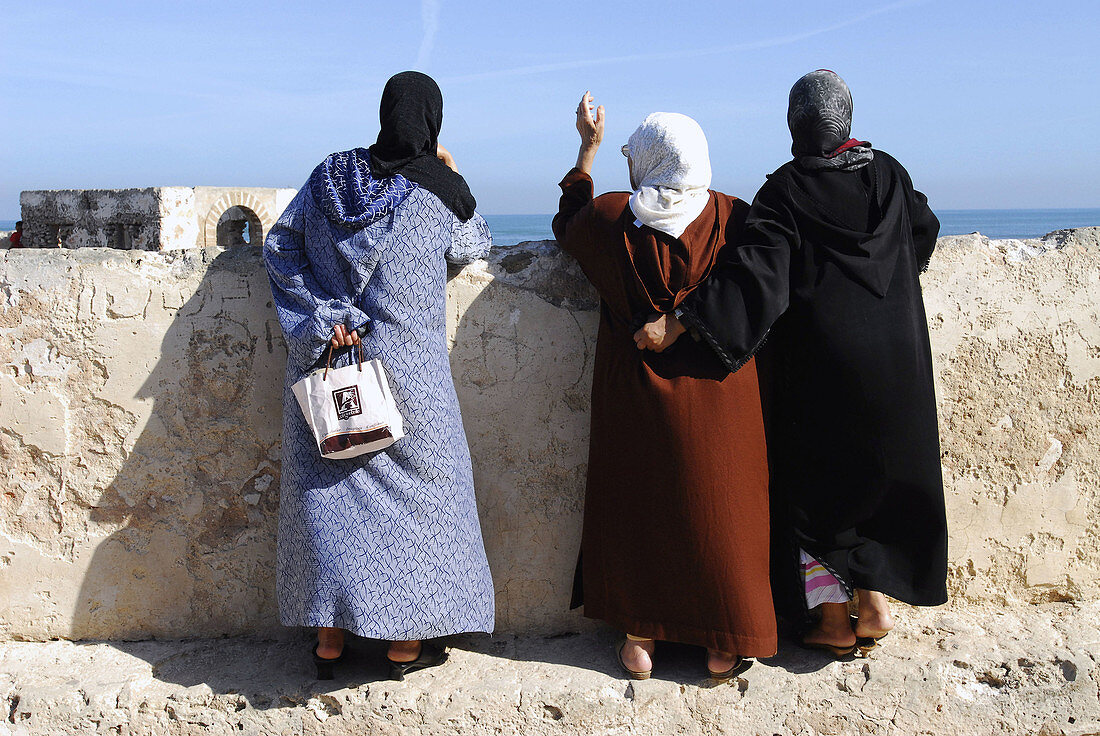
[[350, 410]]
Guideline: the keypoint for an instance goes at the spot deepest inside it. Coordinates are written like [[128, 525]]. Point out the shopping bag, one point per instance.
[[350, 409]]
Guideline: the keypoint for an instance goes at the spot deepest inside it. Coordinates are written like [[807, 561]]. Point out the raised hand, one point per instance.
[[590, 127]]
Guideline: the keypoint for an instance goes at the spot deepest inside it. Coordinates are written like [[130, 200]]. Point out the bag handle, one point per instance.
[[328, 363]]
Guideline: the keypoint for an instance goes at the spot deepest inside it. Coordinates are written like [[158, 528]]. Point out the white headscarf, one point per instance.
[[671, 166]]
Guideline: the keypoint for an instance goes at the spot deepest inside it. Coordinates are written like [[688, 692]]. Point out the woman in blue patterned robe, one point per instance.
[[386, 545]]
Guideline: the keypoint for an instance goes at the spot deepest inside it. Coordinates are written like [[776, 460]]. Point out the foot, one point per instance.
[[404, 651], [637, 656], [875, 620], [833, 636], [720, 661], [330, 642], [834, 627]]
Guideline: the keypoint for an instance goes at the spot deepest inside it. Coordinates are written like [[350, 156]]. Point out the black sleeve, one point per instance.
[[924, 223], [736, 307]]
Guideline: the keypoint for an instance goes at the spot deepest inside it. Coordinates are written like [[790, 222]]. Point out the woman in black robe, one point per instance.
[[827, 272]]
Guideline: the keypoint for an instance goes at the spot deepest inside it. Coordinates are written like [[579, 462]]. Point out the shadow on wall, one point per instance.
[[194, 504], [193, 509], [190, 517], [522, 358]]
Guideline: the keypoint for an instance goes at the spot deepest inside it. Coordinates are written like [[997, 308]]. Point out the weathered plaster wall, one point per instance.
[[139, 430], [1016, 346], [76, 218], [154, 218]]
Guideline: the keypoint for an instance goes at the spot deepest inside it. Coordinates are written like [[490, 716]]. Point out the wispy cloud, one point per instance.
[[429, 15], [683, 54]]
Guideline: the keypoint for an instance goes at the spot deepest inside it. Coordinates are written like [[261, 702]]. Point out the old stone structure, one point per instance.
[[154, 218]]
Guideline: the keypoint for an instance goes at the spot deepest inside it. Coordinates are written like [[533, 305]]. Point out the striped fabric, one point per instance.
[[821, 586]]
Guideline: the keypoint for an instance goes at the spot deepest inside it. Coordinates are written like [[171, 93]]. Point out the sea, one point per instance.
[[998, 224]]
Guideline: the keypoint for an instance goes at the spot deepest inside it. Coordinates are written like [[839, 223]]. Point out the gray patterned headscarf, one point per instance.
[[819, 115]]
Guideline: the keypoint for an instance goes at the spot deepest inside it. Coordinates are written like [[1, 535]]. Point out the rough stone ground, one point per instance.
[[1025, 670]]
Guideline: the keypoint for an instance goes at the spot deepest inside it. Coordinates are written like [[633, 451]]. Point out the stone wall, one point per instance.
[[140, 415], [1016, 345], [154, 218]]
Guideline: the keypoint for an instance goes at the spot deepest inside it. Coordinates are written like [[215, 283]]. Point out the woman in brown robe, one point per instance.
[[675, 540]]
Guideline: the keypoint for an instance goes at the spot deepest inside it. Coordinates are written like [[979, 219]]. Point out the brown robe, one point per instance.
[[675, 540]]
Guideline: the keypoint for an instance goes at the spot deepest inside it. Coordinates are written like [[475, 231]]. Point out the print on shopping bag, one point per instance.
[[347, 402]]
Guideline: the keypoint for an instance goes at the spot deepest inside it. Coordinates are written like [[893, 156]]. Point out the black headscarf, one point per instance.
[[819, 115], [411, 114]]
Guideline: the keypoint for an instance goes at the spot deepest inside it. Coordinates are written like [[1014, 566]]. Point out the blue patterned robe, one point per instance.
[[387, 545]]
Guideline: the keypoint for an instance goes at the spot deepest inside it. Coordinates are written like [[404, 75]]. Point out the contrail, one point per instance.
[[688, 53], [429, 14]]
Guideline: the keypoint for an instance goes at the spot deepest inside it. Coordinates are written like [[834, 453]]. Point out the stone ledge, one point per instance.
[[968, 671]]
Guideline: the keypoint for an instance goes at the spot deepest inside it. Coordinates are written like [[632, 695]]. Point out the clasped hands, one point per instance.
[[659, 333], [343, 337]]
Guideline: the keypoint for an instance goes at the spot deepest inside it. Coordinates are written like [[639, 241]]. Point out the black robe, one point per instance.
[[827, 273]]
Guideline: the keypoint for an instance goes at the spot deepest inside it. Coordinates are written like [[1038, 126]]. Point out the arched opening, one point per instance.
[[236, 219], [238, 226]]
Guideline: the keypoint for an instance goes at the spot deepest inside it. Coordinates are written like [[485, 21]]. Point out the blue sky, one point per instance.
[[989, 104]]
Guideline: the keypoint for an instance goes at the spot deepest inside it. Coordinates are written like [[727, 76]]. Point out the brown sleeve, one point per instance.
[[576, 193], [584, 233]]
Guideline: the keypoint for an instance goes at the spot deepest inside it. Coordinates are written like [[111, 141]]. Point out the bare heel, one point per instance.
[[632, 674], [739, 665], [430, 656], [326, 667]]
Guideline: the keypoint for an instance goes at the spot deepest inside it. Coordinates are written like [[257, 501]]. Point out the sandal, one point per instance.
[[430, 656], [837, 652], [867, 643], [632, 674], [739, 666]]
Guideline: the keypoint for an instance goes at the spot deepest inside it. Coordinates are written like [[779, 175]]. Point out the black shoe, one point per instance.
[[324, 665], [430, 656]]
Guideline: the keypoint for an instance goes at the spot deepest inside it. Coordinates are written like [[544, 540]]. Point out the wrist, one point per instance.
[[586, 157], [674, 327]]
